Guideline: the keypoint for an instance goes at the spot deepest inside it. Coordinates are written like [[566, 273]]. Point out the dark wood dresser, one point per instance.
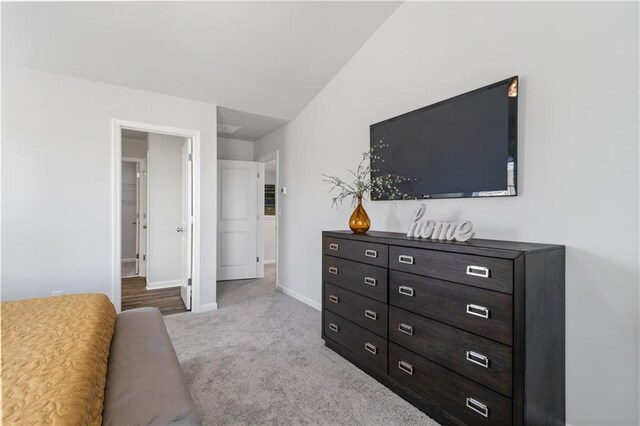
[[470, 333]]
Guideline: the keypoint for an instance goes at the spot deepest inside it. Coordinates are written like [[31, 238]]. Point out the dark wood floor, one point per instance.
[[135, 295]]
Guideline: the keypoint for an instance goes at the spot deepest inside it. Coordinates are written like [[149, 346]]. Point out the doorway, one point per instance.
[[272, 214], [240, 220], [270, 219], [248, 213], [158, 218], [159, 274]]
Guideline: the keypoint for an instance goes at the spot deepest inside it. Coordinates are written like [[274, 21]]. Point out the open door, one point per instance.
[[186, 227], [238, 217]]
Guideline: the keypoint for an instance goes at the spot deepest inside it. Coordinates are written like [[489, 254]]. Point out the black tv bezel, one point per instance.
[[512, 143]]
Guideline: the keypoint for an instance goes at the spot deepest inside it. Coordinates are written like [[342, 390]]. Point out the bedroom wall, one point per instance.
[[56, 136], [578, 158]]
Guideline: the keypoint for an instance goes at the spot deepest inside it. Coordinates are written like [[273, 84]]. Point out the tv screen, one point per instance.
[[462, 147]]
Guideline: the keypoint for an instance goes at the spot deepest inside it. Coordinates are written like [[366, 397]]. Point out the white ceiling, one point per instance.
[[262, 61]]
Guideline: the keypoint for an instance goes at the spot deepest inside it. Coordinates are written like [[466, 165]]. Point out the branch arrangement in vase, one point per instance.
[[364, 184]]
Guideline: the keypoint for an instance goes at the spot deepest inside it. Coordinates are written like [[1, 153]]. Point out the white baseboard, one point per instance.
[[133, 259], [304, 299], [208, 307], [163, 284], [269, 261]]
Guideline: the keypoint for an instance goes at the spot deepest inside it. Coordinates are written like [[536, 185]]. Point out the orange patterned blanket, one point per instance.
[[54, 354]]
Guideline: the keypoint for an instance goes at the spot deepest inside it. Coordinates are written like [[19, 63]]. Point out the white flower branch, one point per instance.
[[383, 186]]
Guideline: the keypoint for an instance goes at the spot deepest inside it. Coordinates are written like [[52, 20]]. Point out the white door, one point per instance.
[[237, 220], [186, 227]]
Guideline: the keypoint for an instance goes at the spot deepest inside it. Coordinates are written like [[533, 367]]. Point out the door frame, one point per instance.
[[186, 287], [117, 126], [275, 155]]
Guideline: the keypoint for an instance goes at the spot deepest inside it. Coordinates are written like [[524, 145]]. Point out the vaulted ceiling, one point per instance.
[[261, 58]]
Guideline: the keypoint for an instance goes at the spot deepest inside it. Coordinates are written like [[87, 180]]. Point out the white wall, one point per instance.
[[164, 258], [269, 229], [578, 158], [235, 149], [270, 177], [134, 148], [128, 210], [56, 129]]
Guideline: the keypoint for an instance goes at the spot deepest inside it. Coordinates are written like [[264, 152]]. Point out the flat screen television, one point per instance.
[[465, 146]]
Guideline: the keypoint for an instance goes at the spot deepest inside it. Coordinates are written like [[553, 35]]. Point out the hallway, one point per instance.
[[135, 295], [169, 301]]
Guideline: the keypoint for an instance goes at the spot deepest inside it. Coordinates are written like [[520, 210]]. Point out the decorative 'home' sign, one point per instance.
[[438, 230]]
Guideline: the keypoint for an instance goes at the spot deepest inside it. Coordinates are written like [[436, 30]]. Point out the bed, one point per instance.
[[72, 360]]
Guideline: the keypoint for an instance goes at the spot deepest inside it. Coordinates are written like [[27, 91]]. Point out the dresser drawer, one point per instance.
[[370, 281], [478, 271], [365, 312], [483, 312], [365, 345], [360, 251], [480, 359], [469, 401]]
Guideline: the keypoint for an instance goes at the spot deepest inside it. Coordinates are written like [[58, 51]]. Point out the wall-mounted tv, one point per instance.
[[465, 146]]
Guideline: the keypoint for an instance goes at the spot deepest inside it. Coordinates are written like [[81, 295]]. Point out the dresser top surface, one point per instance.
[[497, 248]]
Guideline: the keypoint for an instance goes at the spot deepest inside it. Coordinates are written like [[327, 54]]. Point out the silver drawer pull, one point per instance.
[[333, 270], [370, 281], [334, 247], [407, 291], [371, 253], [479, 311], [478, 271], [406, 367], [334, 327], [403, 258], [334, 299], [371, 348], [406, 329], [478, 407], [477, 358], [370, 314]]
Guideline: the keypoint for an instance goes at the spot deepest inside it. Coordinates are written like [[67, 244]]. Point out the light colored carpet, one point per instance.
[[246, 291], [259, 359]]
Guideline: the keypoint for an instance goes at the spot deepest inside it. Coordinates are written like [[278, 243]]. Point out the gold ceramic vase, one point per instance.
[[359, 221]]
